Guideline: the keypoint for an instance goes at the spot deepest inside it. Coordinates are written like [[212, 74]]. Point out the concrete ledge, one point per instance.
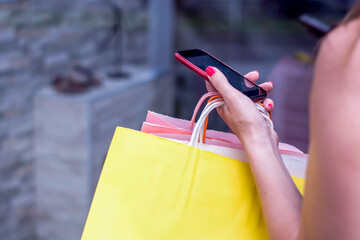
[[73, 133]]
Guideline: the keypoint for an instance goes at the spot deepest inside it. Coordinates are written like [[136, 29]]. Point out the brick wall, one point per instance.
[[38, 40]]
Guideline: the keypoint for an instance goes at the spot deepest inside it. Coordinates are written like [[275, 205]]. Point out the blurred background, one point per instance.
[[73, 70]]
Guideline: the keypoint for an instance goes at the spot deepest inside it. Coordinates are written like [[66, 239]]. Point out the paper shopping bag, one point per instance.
[[226, 144], [155, 188], [174, 128]]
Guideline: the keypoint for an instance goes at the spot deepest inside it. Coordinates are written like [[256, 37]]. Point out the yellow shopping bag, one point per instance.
[[155, 188]]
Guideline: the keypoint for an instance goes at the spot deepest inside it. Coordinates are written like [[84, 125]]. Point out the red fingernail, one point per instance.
[[256, 71], [271, 83], [210, 71], [270, 106]]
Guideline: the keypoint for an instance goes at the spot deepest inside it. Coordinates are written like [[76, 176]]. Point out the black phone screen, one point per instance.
[[202, 60]]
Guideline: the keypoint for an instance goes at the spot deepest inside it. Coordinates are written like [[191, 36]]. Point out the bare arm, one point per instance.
[[331, 207], [281, 201]]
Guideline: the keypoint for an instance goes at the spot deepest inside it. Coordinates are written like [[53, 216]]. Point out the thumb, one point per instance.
[[220, 82]]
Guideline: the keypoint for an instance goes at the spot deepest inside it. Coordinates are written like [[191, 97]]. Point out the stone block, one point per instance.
[[61, 58], [4, 15], [12, 61], [38, 41], [86, 49], [73, 134], [50, 230], [8, 34]]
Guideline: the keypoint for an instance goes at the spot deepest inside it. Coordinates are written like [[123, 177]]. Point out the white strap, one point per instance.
[[265, 114], [197, 132], [199, 127]]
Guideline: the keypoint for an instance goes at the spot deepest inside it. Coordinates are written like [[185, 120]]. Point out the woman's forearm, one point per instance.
[[280, 199]]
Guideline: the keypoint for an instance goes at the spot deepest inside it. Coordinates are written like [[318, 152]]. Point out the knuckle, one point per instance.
[[232, 96], [235, 98]]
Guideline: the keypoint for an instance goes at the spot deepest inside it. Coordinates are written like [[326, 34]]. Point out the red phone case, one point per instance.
[[192, 66], [203, 74], [199, 71]]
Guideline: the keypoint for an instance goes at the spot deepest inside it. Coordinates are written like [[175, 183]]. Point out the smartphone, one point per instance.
[[198, 60]]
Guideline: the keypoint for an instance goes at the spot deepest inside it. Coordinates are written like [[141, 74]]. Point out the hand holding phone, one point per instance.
[[198, 60]]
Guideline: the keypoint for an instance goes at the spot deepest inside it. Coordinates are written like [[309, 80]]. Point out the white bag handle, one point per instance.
[[198, 131]]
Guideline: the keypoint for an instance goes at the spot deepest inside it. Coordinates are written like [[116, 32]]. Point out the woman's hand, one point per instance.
[[278, 194], [239, 111]]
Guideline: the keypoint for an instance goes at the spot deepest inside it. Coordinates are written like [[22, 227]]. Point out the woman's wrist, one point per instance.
[[257, 136]]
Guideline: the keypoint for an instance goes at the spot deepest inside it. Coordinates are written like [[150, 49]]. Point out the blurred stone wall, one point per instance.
[[38, 40]]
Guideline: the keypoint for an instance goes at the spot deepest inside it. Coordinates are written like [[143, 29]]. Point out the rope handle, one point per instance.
[[198, 105], [199, 131], [216, 100], [219, 99], [267, 115], [199, 127]]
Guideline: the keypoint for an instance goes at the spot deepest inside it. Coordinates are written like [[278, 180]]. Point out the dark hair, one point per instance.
[[353, 13]]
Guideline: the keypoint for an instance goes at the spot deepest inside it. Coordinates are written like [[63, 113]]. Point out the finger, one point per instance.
[[267, 86], [220, 82], [209, 87], [252, 76], [268, 104]]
